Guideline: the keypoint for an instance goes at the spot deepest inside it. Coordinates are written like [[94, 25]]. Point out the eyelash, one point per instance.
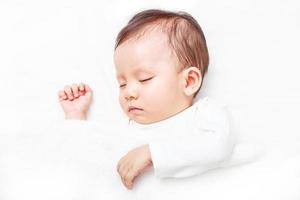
[[123, 85], [148, 79], [144, 80]]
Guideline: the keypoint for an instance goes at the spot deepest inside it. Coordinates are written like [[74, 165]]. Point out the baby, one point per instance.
[[161, 58]]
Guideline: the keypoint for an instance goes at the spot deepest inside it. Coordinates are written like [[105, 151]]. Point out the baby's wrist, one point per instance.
[[77, 115]]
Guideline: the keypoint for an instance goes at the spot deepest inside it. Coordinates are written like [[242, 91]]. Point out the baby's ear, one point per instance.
[[192, 79]]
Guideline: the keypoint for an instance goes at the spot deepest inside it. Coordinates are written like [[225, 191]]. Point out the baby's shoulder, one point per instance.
[[209, 109], [210, 104]]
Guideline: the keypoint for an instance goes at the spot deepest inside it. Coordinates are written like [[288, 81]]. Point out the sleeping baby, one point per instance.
[[161, 58]]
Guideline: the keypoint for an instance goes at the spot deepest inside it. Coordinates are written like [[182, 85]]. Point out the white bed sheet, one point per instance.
[[77, 160]]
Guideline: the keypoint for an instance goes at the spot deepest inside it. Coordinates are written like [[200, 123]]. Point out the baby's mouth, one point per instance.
[[132, 108]]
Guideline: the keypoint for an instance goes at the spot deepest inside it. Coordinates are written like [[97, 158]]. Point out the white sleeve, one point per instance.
[[205, 146]]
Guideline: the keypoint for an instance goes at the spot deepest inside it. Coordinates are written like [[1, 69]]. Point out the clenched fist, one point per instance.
[[75, 100]]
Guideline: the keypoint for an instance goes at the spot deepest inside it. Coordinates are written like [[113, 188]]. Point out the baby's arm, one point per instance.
[[75, 100], [205, 146]]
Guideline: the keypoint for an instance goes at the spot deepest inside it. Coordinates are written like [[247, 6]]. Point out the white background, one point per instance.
[[253, 44], [45, 45]]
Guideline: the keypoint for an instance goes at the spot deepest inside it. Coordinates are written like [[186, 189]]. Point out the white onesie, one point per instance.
[[192, 142]]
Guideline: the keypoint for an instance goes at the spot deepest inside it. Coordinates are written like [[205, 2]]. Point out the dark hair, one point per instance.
[[185, 35]]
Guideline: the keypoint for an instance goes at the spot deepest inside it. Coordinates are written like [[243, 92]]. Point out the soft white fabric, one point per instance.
[[47, 44], [77, 160], [191, 142]]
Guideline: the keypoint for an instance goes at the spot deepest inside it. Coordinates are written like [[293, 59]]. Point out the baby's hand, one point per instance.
[[134, 163], [75, 100]]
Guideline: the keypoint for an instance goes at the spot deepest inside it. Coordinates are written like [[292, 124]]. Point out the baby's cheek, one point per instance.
[[121, 101]]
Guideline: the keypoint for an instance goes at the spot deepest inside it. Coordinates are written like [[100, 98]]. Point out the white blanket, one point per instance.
[[77, 160]]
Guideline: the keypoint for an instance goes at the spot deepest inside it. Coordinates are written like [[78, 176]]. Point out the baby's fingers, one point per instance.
[[69, 93], [75, 90], [81, 87], [62, 95], [129, 178], [127, 173], [87, 88]]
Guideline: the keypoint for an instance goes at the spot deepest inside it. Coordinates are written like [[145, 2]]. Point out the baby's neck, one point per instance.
[[180, 108]]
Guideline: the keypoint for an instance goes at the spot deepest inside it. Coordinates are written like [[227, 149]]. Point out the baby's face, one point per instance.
[[150, 84]]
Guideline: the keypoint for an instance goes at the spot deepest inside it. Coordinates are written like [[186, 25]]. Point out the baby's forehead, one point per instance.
[[148, 45], [145, 52], [151, 33], [153, 42]]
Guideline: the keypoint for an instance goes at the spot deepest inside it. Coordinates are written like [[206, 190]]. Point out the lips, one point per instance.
[[133, 108]]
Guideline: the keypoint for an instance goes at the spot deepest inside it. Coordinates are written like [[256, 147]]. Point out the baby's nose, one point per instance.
[[131, 94], [130, 98]]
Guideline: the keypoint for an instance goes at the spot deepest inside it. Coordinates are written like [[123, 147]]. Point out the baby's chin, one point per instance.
[[140, 119], [146, 120], [143, 121]]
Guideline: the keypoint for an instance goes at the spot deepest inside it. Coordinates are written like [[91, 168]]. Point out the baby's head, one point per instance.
[[161, 58]]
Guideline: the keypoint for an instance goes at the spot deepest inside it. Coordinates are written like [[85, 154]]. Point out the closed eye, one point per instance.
[[146, 79], [122, 85]]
